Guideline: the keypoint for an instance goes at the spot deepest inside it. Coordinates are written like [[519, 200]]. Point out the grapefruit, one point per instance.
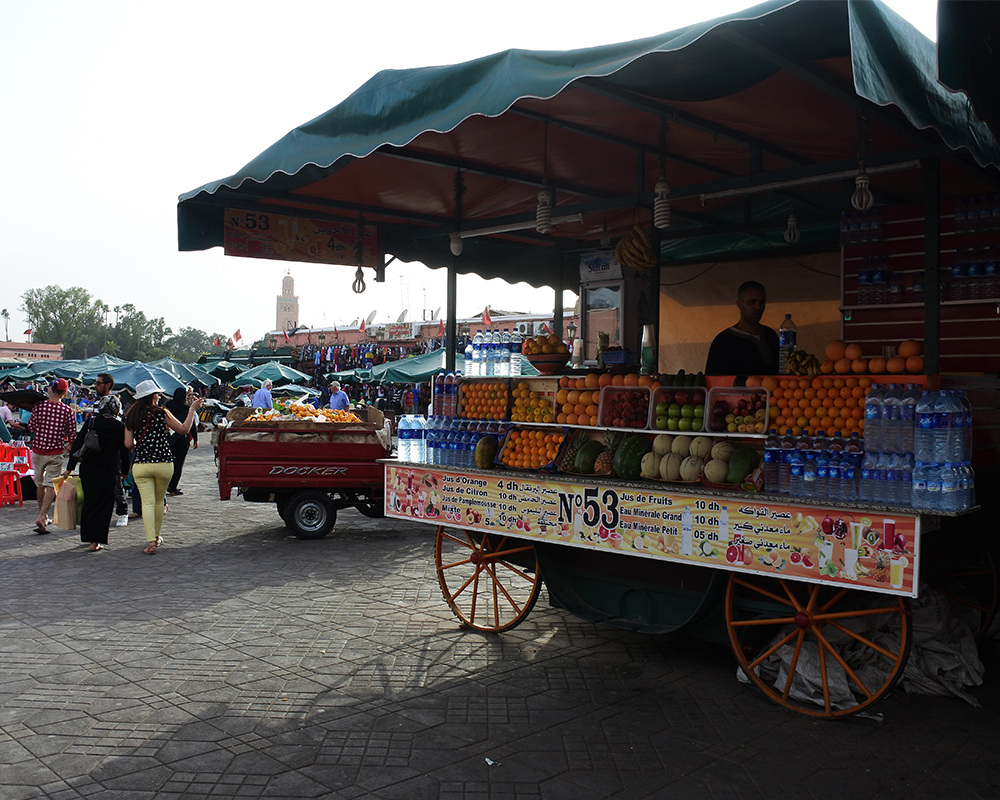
[[895, 365], [859, 366], [842, 366], [852, 351], [915, 365], [770, 383], [876, 365], [835, 350], [753, 380], [909, 348], [826, 367]]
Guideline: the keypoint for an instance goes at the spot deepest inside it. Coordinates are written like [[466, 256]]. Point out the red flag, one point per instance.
[[546, 328], [486, 317], [286, 335], [336, 333], [362, 328], [230, 344], [236, 336], [27, 332], [441, 328], [216, 341]]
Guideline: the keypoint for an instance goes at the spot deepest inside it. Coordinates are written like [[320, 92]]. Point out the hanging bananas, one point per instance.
[[635, 250], [802, 363]]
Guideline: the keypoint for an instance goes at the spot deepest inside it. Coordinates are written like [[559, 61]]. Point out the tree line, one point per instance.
[[86, 326]]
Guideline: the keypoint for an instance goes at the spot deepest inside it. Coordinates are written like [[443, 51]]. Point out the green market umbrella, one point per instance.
[[278, 374], [223, 370], [189, 373], [131, 375]]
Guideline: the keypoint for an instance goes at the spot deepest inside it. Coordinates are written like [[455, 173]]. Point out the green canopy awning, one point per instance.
[[768, 94], [277, 373]]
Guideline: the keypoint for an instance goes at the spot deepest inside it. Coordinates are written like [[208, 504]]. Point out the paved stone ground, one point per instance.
[[242, 662]]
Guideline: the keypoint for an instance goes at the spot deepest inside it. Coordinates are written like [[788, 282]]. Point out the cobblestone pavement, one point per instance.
[[242, 662]]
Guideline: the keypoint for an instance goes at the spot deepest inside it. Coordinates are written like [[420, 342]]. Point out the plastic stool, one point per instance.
[[10, 487]]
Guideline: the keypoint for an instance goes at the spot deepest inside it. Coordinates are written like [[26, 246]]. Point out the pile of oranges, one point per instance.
[[530, 448], [843, 358], [531, 406], [483, 400], [824, 403]]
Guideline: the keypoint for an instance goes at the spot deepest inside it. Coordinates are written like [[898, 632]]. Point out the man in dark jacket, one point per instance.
[[747, 348]]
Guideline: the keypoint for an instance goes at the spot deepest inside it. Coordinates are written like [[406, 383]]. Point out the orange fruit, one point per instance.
[[864, 383], [605, 379], [836, 350], [753, 380], [645, 380], [618, 380], [909, 348], [859, 365], [631, 379], [564, 382], [842, 365], [895, 365], [826, 367], [593, 380], [852, 351], [915, 365], [876, 365], [770, 383]]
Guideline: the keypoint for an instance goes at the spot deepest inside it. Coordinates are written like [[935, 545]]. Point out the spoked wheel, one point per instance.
[[819, 650], [973, 588], [490, 581]]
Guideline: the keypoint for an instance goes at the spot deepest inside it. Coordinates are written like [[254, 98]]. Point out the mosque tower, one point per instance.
[[287, 316]]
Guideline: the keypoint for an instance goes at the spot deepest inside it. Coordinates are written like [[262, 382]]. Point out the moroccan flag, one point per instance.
[[27, 332], [441, 328], [546, 328], [336, 333], [236, 336], [362, 328], [216, 341], [486, 317], [286, 335]]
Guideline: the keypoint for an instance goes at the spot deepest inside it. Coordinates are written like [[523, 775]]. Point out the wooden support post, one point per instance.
[[932, 266]]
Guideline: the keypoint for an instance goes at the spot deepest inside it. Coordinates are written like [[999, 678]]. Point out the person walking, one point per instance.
[[146, 430], [53, 426], [101, 473], [110, 405], [180, 443]]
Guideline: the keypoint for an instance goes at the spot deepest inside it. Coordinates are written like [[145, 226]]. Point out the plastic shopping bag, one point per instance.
[[66, 502]]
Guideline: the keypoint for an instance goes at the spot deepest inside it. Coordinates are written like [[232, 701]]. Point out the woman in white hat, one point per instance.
[[147, 430]]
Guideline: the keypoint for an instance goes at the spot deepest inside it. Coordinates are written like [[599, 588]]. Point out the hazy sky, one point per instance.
[[113, 109]]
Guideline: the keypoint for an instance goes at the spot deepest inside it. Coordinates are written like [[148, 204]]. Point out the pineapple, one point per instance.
[[604, 462], [880, 572], [579, 439]]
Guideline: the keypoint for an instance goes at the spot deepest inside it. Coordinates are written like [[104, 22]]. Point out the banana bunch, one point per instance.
[[802, 363], [635, 250]]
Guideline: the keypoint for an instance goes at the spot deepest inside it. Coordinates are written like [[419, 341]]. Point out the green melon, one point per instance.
[[628, 457]]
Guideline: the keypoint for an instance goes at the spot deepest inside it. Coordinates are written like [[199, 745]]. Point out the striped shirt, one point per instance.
[[52, 425]]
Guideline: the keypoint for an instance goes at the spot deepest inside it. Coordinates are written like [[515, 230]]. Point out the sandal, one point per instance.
[[133, 515], [95, 546], [150, 549]]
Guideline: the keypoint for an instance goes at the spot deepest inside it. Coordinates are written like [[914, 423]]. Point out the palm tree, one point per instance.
[[6, 321]]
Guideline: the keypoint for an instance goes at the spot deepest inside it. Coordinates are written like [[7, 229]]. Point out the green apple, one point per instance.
[[687, 410], [684, 424], [699, 412], [673, 423], [661, 421], [661, 409], [674, 410]]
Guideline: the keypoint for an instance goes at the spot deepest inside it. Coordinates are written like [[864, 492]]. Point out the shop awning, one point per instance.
[[772, 93]]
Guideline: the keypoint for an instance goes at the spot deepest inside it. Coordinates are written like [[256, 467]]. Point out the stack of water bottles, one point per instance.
[[820, 467], [943, 479], [886, 474], [494, 354]]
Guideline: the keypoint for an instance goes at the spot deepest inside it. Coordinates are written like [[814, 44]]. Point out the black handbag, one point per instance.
[[91, 444]]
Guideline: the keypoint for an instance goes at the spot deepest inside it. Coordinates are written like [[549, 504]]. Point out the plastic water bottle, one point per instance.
[[784, 468], [889, 426], [804, 443], [865, 283], [515, 353], [905, 487], [809, 472], [486, 359], [468, 357], [918, 487], [894, 479], [437, 398], [849, 477], [820, 442], [772, 460], [448, 407], [868, 472], [960, 449], [923, 433], [403, 438], [475, 368], [959, 269], [970, 485], [418, 439], [908, 417], [951, 487], [503, 365], [933, 487], [991, 273], [975, 268], [833, 472], [880, 479], [873, 419], [796, 467], [786, 343], [822, 458], [687, 532]]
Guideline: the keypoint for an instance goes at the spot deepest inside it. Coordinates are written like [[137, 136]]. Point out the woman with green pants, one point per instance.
[[147, 430]]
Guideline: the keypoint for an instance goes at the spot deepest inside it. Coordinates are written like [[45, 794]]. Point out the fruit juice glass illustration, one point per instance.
[[393, 478], [857, 537], [896, 567], [888, 533], [421, 502], [825, 552], [851, 563]]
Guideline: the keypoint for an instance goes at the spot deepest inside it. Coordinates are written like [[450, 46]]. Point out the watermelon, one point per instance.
[[586, 456], [486, 450], [742, 462], [628, 457]]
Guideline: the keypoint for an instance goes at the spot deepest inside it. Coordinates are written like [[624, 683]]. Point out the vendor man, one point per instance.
[[339, 400], [747, 348]]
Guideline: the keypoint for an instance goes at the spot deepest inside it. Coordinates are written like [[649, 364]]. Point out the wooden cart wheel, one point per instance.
[[490, 581], [973, 587], [855, 643]]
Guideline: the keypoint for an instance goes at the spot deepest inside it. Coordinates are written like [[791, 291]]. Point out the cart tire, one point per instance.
[[972, 586], [771, 622], [310, 514], [490, 581]]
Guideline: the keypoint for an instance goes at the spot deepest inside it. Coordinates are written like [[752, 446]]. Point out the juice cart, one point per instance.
[[750, 141]]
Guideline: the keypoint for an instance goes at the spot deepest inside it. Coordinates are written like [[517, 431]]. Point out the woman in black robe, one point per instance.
[[99, 475], [180, 442]]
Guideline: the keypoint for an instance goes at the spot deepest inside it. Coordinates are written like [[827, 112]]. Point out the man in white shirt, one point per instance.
[[262, 397]]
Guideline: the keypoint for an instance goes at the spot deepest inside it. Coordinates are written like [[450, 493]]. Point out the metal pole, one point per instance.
[[557, 309], [932, 266], [451, 326]]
